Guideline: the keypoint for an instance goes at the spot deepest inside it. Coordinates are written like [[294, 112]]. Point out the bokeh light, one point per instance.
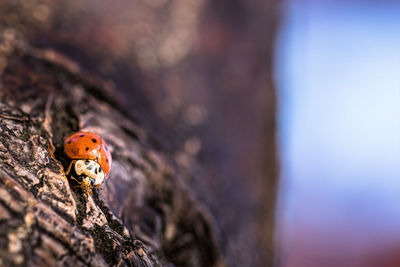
[[338, 82]]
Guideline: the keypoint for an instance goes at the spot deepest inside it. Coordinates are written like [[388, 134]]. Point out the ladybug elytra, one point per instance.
[[90, 157]]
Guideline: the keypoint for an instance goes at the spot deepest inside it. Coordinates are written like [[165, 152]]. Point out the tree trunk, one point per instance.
[[186, 103], [145, 216]]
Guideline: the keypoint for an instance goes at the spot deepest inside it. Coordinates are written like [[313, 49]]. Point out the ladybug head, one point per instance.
[[90, 169]]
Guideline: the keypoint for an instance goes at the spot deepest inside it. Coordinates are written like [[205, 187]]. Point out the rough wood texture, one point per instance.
[[145, 216], [197, 75]]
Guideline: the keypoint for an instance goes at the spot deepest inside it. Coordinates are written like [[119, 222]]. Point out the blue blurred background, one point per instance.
[[338, 84]]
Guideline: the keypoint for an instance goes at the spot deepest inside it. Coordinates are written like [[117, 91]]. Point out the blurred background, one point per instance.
[[338, 83], [243, 93]]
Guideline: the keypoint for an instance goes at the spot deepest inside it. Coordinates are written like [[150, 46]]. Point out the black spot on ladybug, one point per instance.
[[87, 149], [69, 142], [90, 167], [95, 171], [87, 162], [94, 140], [106, 160], [82, 135], [100, 169], [106, 148]]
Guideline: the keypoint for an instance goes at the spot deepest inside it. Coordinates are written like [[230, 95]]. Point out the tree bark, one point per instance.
[[145, 216], [197, 78]]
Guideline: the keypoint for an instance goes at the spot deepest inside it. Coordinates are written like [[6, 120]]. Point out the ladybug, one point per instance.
[[90, 157]]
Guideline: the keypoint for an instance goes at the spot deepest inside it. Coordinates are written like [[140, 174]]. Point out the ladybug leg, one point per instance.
[[69, 167], [72, 177], [86, 191], [96, 186]]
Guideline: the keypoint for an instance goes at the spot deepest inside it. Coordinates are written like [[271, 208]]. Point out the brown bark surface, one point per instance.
[[185, 99], [145, 216]]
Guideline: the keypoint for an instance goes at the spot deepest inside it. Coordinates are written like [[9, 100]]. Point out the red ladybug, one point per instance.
[[90, 157]]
